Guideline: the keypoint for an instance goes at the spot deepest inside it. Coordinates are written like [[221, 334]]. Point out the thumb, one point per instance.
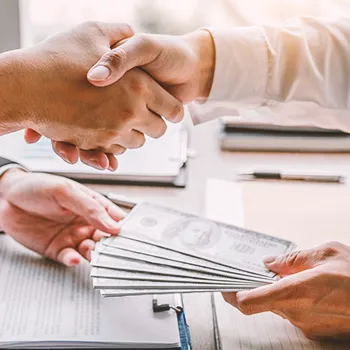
[[139, 50], [291, 263]]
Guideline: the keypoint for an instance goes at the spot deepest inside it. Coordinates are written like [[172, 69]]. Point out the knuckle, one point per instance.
[[92, 212], [68, 241], [114, 57], [138, 86], [126, 29], [330, 250], [129, 117], [108, 139], [61, 189], [290, 259], [92, 25]]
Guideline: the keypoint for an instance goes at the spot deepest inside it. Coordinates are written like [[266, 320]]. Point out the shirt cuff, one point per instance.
[[241, 73]]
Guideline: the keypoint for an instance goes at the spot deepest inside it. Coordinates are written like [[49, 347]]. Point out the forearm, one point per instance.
[[12, 92], [305, 62]]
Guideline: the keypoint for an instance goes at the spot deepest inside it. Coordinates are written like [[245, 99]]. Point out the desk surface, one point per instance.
[[211, 163]]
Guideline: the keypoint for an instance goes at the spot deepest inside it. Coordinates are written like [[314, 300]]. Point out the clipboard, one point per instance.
[[137, 324], [160, 162]]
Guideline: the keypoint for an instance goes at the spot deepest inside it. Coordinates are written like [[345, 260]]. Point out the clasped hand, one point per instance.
[[173, 70], [63, 106]]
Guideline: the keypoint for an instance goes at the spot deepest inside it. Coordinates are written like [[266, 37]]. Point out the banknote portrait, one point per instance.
[[194, 232]]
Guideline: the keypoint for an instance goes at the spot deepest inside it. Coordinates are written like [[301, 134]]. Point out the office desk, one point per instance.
[[212, 163]]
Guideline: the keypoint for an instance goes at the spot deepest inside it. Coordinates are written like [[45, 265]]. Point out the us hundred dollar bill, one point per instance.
[[224, 244]]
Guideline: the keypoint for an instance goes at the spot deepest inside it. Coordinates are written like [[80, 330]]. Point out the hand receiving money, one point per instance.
[[54, 216], [161, 251]]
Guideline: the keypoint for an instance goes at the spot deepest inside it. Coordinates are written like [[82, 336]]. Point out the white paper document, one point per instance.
[[45, 304]]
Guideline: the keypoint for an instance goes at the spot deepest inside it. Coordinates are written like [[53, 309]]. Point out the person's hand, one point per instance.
[[57, 101], [184, 65], [55, 217], [313, 293]]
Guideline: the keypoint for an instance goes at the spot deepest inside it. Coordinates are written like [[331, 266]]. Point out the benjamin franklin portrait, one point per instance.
[[194, 232]]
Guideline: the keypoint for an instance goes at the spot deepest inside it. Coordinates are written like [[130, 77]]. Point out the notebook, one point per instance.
[[238, 204], [237, 135], [159, 162], [44, 304]]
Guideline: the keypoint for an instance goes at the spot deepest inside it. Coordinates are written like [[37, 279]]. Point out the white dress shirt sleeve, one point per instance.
[[294, 74]]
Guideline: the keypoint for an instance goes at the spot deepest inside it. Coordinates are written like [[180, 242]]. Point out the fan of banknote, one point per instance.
[[160, 251]]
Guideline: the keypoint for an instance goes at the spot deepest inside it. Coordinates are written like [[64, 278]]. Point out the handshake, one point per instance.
[[98, 89]]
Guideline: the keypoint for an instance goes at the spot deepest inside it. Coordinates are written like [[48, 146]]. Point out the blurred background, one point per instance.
[[27, 22]]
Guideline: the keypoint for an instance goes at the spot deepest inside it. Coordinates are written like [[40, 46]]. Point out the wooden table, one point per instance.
[[210, 162]]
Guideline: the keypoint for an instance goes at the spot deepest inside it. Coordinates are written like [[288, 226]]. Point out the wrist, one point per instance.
[[203, 44], [13, 101]]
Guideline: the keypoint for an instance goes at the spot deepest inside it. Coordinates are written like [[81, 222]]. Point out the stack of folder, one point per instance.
[[238, 135]]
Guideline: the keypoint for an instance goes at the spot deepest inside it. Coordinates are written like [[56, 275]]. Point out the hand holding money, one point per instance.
[[54, 216], [313, 294], [160, 250]]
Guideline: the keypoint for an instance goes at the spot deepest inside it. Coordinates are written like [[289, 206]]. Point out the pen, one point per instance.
[[294, 177]]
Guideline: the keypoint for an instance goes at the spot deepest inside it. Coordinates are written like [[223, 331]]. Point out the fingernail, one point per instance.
[[64, 157], [96, 164], [99, 73], [74, 262], [269, 259], [108, 221]]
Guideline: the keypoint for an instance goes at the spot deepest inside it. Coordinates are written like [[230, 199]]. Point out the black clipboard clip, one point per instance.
[[166, 307]]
